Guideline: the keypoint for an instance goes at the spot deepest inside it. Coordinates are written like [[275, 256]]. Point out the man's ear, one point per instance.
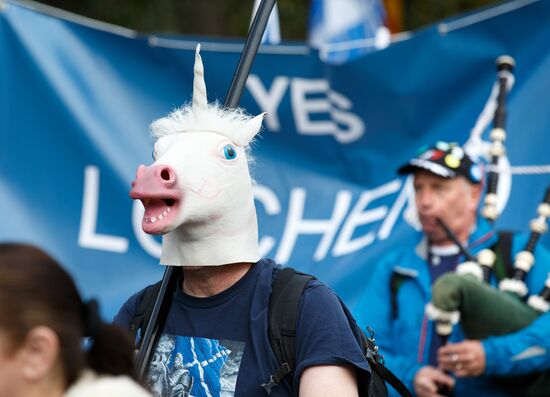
[[39, 353]]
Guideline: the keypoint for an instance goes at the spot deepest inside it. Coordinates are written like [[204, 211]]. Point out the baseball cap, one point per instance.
[[446, 159]]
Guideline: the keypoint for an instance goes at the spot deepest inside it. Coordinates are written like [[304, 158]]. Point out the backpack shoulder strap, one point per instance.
[[284, 302], [380, 374], [143, 312], [391, 379]]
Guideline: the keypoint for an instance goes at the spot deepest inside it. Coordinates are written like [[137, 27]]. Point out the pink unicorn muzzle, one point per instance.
[[156, 187]]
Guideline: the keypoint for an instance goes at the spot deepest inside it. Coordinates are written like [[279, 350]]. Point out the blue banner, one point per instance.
[[77, 96]]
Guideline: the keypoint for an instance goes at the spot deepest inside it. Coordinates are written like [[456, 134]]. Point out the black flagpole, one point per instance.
[[169, 279], [249, 53]]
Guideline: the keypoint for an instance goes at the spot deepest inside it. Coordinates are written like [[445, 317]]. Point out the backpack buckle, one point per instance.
[[269, 385], [275, 379], [373, 352]]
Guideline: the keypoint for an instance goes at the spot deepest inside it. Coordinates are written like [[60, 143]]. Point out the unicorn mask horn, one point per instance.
[[161, 306]]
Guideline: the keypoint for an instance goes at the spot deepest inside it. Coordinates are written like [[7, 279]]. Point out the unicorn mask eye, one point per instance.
[[229, 152]]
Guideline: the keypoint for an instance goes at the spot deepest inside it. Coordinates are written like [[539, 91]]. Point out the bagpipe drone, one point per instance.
[[466, 296]]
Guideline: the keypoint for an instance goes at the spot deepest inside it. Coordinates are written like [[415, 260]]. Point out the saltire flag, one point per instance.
[[272, 34], [344, 30]]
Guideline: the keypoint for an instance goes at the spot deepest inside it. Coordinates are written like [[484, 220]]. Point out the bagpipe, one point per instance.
[[466, 296], [482, 309]]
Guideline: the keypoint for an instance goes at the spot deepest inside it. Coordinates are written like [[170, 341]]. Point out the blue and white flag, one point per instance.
[[272, 34], [344, 30]]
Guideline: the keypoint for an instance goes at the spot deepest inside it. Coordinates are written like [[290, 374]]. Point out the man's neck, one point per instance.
[[447, 242], [205, 281]]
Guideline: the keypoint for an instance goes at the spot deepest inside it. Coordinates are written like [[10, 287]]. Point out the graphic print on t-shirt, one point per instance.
[[184, 366]]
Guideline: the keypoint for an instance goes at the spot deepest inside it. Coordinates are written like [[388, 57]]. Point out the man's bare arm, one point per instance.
[[329, 381]]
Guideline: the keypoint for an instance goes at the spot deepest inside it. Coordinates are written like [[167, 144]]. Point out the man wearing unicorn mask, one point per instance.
[[447, 187], [198, 196]]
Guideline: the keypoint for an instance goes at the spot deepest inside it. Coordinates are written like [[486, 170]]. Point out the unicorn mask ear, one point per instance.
[[245, 134], [200, 101]]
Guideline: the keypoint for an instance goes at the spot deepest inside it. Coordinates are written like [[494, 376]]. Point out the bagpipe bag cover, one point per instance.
[[486, 311]]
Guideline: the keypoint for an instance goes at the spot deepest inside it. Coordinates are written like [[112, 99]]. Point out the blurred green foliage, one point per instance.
[[231, 18]]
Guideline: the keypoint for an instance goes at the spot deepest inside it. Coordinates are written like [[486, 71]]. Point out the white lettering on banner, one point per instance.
[[308, 97], [147, 242], [336, 231], [87, 236], [272, 206], [358, 216], [296, 225], [268, 101], [333, 104], [356, 127], [302, 107]]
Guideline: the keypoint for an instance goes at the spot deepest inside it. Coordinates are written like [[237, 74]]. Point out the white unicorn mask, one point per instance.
[[198, 192]]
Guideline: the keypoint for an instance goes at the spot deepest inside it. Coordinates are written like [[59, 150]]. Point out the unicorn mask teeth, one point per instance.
[[198, 193], [154, 186]]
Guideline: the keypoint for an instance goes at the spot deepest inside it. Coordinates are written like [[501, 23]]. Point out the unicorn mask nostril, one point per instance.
[[166, 174]]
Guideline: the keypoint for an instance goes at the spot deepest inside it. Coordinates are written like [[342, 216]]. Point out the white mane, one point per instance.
[[214, 118]]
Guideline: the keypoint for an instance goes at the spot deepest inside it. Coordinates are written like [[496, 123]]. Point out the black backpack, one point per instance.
[[284, 303]]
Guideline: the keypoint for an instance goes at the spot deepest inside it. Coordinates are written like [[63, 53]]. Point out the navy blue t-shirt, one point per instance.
[[219, 346]]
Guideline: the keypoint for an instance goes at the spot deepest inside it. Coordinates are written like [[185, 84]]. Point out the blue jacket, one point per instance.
[[405, 340]]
